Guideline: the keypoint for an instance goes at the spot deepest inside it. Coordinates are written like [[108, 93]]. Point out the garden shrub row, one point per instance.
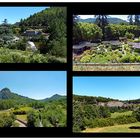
[[103, 122]]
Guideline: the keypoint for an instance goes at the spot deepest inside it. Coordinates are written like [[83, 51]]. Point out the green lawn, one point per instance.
[[22, 117], [117, 128], [116, 114]]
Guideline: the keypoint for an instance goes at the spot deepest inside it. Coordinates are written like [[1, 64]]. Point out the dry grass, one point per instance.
[[107, 68]]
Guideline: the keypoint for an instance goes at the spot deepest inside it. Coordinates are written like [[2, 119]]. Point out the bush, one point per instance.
[[129, 35], [14, 56], [125, 59], [21, 111], [58, 47], [32, 117], [137, 114], [6, 120], [86, 31], [125, 119], [103, 122], [86, 58]]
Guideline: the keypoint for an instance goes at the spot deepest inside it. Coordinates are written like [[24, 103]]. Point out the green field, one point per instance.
[[116, 128], [22, 117], [116, 114]]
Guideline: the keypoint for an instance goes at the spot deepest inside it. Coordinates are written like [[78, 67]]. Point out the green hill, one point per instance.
[[110, 20], [54, 98]]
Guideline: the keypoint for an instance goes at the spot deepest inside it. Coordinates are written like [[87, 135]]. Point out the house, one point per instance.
[[32, 32], [81, 47]]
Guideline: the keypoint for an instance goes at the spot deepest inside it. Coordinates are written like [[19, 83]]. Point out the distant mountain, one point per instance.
[[54, 97], [110, 20], [5, 93]]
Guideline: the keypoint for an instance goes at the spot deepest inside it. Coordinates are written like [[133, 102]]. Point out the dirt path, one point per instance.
[[20, 124]]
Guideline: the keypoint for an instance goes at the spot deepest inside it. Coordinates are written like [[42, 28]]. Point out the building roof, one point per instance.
[[83, 44]]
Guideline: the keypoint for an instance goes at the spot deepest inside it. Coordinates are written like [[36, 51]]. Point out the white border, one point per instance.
[[69, 1]]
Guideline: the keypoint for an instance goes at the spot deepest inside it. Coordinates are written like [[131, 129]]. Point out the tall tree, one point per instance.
[[75, 18], [101, 21], [130, 19], [137, 20], [5, 22]]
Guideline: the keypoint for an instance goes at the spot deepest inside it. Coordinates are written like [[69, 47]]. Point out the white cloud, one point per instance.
[[124, 17]]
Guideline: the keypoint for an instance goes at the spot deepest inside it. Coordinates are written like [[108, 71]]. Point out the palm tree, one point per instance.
[[101, 21]]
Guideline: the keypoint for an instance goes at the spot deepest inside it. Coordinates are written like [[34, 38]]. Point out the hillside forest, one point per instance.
[[21, 111], [40, 38], [105, 40], [100, 114]]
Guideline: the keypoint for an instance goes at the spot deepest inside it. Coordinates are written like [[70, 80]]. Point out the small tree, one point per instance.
[[137, 114]]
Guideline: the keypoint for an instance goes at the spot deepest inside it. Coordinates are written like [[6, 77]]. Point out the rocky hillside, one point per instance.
[[102, 101]]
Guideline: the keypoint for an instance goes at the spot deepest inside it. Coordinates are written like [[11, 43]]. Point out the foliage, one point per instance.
[[6, 120], [136, 113], [22, 110], [53, 21], [102, 122], [124, 119], [32, 119], [129, 35], [87, 113], [78, 117], [104, 54], [51, 114], [17, 56], [86, 31]]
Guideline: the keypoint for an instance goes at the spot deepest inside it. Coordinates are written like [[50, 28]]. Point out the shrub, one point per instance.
[[137, 114], [129, 35], [103, 122], [85, 59], [125, 59], [6, 120], [21, 111], [125, 119]]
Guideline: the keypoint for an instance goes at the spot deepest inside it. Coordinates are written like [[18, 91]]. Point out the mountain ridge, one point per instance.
[[106, 99], [6, 93], [111, 20]]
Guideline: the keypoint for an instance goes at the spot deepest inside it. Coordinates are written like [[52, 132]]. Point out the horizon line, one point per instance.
[[106, 97]]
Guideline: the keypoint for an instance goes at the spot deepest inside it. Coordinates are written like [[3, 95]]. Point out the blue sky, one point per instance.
[[124, 17], [114, 87], [14, 14], [34, 84]]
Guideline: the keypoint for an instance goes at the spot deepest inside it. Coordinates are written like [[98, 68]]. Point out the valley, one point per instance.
[[21, 111], [101, 114], [36, 38]]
